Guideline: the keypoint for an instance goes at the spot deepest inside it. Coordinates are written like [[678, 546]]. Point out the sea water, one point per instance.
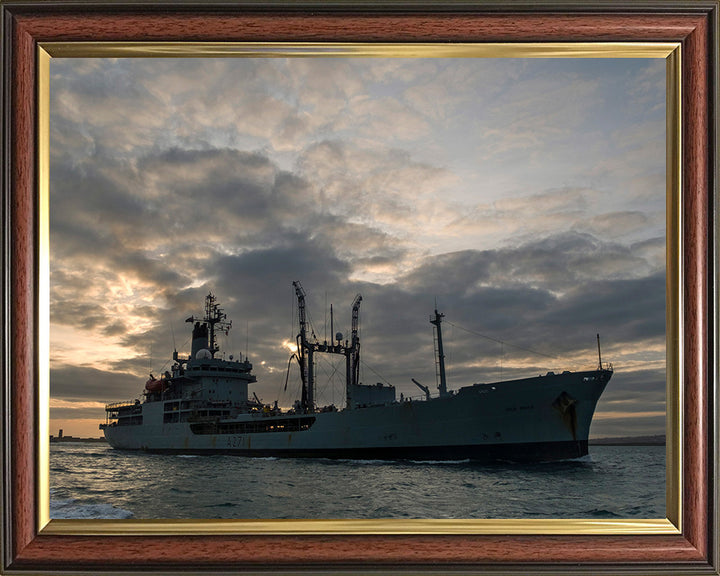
[[96, 481]]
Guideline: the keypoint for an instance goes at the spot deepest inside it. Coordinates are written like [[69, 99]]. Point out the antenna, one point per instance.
[[213, 315]]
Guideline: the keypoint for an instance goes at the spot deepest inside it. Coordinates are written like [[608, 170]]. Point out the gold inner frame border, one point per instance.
[[670, 51]]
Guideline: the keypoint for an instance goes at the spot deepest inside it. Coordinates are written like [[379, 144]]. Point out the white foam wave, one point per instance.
[[465, 461], [71, 509], [357, 461], [587, 459]]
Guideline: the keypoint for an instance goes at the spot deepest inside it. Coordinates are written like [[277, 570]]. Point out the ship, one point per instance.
[[202, 405]]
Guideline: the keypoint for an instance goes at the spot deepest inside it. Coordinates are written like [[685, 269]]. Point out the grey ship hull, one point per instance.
[[532, 419]]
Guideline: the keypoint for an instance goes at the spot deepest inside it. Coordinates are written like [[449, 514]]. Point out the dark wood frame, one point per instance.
[[25, 24]]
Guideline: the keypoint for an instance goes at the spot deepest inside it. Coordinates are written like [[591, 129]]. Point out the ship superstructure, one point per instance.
[[203, 405]]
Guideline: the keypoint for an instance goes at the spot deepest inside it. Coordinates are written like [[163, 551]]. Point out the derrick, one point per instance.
[[307, 348]]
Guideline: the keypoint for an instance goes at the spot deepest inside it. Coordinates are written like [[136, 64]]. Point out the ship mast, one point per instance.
[[442, 386], [214, 316]]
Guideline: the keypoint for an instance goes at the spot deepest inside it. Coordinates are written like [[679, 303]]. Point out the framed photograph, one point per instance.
[[328, 79]]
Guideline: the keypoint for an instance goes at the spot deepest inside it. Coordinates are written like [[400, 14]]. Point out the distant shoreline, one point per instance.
[[60, 439], [629, 441]]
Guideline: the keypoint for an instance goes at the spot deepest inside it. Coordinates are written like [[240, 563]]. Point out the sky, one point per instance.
[[524, 198]]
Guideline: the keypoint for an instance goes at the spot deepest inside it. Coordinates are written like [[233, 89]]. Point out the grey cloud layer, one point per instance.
[[255, 232]]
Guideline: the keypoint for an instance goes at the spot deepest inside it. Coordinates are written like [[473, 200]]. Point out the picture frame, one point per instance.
[[687, 543]]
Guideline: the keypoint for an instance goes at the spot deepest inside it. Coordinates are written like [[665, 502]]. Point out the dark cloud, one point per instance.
[[117, 328], [629, 310], [644, 387], [86, 315], [85, 383], [517, 293], [71, 412]]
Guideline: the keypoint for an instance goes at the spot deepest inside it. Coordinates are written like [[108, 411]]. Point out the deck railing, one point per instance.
[[116, 405]]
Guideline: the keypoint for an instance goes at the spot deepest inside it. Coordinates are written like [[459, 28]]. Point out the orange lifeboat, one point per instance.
[[154, 385]]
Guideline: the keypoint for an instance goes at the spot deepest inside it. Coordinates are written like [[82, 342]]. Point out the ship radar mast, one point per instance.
[[215, 319]]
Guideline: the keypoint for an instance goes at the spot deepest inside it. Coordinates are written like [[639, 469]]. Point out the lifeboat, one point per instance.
[[155, 385]]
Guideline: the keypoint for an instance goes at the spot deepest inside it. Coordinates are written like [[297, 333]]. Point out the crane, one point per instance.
[[423, 388], [352, 353], [308, 348], [305, 353]]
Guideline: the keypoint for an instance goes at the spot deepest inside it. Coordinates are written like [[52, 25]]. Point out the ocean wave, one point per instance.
[[465, 461], [354, 461], [587, 459], [72, 509], [601, 513]]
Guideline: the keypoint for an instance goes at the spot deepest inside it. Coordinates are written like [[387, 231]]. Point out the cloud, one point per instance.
[[256, 286], [83, 383]]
